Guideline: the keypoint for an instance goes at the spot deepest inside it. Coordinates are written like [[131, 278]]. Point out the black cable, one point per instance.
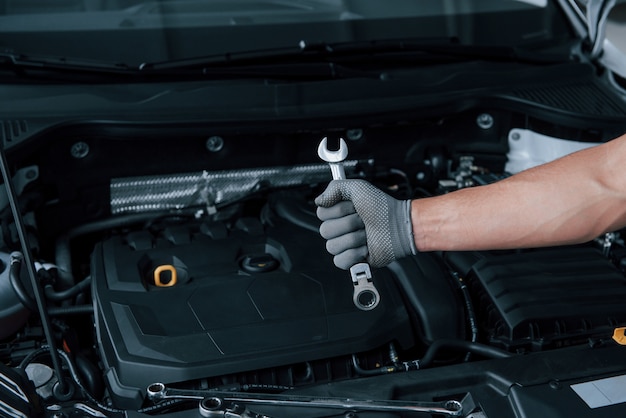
[[471, 314], [469, 310]]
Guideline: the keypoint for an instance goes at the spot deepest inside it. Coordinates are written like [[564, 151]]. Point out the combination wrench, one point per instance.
[[450, 408], [366, 296]]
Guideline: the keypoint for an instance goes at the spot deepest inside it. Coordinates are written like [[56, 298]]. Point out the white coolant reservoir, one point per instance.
[[528, 149]]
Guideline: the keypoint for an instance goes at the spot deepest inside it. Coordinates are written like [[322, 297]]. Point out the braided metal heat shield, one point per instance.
[[209, 188]]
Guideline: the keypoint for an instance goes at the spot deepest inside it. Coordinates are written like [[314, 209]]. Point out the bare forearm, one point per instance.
[[569, 200]]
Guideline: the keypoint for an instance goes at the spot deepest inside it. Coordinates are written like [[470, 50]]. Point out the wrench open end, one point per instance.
[[332, 156]]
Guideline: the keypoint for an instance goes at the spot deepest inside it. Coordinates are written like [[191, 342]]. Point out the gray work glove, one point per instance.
[[363, 223]]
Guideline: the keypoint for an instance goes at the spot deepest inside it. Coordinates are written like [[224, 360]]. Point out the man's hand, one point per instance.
[[361, 222]]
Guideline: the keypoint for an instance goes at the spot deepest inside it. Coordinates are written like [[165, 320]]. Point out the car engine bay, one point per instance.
[[188, 257]]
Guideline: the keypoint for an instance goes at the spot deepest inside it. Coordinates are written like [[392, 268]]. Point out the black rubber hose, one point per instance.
[[88, 371], [33, 355], [27, 300], [431, 353], [461, 345], [63, 255], [76, 378], [16, 283], [51, 294], [370, 372], [90, 375], [71, 310]]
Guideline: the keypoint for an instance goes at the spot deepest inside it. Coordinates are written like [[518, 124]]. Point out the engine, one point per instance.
[[219, 280], [203, 300], [254, 299]]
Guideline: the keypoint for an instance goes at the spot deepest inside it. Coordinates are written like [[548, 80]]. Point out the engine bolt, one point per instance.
[[354, 134], [484, 121], [79, 150], [554, 384], [215, 143], [31, 174]]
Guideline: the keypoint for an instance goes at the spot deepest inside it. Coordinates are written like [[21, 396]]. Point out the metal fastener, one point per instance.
[[79, 150], [484, 121], [215, 143], [354, 134]]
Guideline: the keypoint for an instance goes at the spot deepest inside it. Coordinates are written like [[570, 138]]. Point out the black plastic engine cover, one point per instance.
[[545, 298], [245, 299]]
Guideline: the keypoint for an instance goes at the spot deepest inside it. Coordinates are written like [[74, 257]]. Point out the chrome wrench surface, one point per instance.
[[213, 407], [366, 296], [450, 408], [334, 159]]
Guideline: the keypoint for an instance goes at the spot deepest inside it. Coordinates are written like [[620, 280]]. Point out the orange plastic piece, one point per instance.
[[172, 276], [619, 335]]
